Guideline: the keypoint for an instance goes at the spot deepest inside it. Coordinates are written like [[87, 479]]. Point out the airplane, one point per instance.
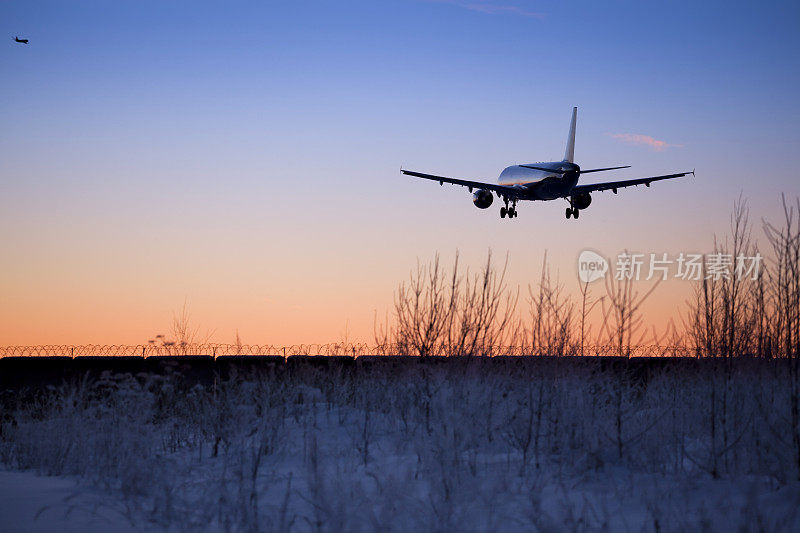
[[23, 41], [544, 181]]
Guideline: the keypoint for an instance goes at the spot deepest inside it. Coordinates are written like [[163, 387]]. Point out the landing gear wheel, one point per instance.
[[569, 212], [503, 212], [575, 213]]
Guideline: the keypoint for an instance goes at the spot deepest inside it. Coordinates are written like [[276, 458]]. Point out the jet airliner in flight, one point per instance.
[[544, 181]]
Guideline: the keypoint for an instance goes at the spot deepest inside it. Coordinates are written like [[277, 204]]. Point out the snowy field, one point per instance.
[[545, 446]]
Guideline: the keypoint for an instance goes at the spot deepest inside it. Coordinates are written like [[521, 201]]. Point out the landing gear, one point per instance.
[[573, 212], [511, 212]]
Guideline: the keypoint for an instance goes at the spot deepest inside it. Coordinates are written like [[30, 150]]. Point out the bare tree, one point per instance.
[[726, 312], [423, 308], [483, 312], [552, 314], [735, 327], [587, 305], [238, 344], [186, 337], [622, 317], [704, 320], [785, 281], [438, 312]]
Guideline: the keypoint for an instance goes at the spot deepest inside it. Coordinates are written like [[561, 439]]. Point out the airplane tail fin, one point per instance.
[[569, 154]]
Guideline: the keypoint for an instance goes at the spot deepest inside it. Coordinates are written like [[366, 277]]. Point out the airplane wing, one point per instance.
[[614, 185], [511, 192]]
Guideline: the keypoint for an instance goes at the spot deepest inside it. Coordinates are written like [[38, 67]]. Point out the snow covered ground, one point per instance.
[[33, 503], [451, 448]]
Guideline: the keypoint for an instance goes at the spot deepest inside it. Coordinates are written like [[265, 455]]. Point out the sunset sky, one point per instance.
[[244, 157]]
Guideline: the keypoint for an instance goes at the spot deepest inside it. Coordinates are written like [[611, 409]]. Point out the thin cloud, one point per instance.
[[644, 140], [492, 8]]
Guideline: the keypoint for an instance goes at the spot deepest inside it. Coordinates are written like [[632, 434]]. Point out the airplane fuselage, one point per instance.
[[540, 184]]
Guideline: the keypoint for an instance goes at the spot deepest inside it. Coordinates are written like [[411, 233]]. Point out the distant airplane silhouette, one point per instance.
[[23, 41]]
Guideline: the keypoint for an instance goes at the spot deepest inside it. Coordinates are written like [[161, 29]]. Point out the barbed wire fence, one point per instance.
[[321, 350]]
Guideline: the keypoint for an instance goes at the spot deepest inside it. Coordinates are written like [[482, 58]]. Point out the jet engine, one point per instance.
[[482, 198], [582, 201]]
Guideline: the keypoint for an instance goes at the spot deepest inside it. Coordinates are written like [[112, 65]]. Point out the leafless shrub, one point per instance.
[[439, 312], [423, 308], [186, 335], [483, 312], [552, 317], [726, 308], [785, 287], [748, 312], [587, 306], [622, 318]]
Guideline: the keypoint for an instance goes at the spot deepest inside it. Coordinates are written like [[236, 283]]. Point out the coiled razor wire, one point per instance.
[[330, 349]]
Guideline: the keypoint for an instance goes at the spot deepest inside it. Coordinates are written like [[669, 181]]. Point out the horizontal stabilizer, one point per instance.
[[603, 169]]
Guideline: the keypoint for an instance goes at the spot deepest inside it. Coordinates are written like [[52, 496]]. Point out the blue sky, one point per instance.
[[253, 148]]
